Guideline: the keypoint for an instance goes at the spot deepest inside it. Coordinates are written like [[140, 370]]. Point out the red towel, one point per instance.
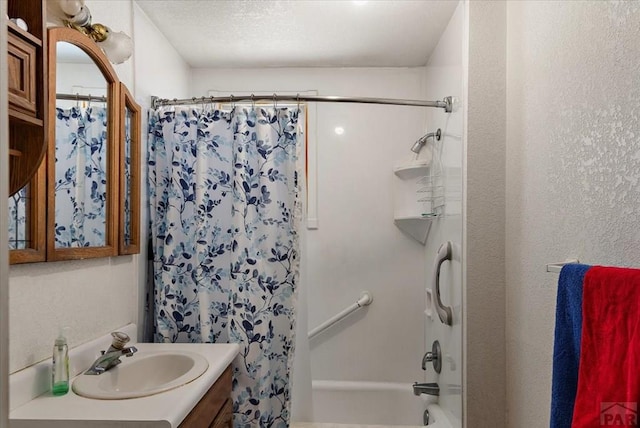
[[609, 373]]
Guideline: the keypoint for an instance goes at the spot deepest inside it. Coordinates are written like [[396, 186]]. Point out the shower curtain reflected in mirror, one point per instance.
[[80, 176], [225, 209], [18, 235], [80, 179]]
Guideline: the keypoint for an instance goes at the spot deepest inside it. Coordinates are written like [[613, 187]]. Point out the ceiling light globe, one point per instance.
[[71, 7]]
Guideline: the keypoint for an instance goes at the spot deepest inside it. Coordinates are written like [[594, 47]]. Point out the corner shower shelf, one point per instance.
[[417, 227], [412, 170], [418, 198]]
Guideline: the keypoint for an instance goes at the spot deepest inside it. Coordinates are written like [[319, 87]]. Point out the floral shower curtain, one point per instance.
[[225, 209]]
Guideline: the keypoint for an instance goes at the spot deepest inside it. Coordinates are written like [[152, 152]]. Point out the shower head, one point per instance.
[[418, 145]]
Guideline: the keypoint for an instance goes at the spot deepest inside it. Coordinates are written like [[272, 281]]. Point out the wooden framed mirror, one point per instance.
[[129, 234], [82, 155]]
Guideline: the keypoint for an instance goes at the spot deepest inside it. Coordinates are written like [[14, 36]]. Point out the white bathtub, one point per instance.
[[438, 418], [368, 403]]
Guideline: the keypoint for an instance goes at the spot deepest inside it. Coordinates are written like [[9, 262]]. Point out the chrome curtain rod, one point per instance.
[[446, 103], [78, 97]]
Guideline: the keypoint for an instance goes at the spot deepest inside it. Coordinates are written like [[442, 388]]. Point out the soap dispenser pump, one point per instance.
[[60, 369]]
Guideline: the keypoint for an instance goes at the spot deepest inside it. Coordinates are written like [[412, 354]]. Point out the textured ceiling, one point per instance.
[[301, 33]]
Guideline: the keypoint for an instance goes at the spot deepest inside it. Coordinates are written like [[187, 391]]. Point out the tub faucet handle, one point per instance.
[[428, 357], [434, 356]]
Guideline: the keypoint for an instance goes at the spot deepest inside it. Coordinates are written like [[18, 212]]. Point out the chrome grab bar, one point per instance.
[[444, 312], [365, 300]]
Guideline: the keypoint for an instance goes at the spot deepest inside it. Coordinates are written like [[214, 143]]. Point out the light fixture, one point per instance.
[[118, 47], [339, 130]]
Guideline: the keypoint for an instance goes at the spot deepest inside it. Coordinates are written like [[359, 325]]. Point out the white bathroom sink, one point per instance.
[[142, 375]]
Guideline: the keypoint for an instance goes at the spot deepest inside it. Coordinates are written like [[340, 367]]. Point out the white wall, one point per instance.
[[444, 76], [484, 217], [159, 71], [96, 296], [573, 166], [357, 247]]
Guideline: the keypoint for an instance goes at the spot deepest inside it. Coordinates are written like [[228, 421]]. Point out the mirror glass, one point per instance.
[[18, 227], [127, 176], [81, 149], [26, 225], [129, 235]]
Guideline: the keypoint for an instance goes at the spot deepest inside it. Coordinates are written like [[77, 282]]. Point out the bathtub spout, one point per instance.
[[426, 388]]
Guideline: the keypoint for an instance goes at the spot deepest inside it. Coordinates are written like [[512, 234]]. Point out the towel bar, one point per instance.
[[557, 267]]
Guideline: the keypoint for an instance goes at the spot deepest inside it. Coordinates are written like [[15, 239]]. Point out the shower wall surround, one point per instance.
[[444, 74], [99, 295], [573, 168]]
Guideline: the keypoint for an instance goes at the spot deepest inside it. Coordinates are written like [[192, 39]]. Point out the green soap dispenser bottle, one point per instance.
[[60, 369]]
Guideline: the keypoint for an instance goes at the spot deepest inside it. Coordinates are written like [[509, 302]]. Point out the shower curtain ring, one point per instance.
[[298, 100], [77, 100], [275, 101], [233, 103], [253, 102], [89, 101]]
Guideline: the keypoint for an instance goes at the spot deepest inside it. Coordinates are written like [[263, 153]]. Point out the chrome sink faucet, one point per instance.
[[111, 357]]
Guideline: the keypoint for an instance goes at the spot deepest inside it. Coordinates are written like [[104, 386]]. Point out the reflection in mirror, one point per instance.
[[26, 225], [18, 233], [80, 150], [130, 174], [128, 235]]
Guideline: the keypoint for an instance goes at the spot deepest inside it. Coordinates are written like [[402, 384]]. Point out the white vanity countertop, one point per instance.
[[166, 409]]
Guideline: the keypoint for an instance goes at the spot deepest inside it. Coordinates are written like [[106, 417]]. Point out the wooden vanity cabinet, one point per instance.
[[215, 409]]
